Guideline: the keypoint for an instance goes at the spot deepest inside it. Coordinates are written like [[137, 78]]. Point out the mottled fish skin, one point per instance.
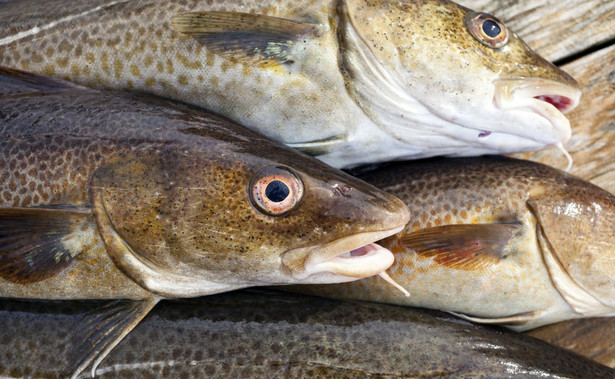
[[264, 335], [109, 195], [172, 180], [350, 82], [545, 253]]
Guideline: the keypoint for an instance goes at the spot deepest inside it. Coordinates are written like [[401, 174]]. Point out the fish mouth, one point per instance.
[[547, 99], [345, 259]]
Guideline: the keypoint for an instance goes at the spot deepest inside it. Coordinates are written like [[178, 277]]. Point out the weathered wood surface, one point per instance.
[[557, 29], [593, 337], [583, 34]]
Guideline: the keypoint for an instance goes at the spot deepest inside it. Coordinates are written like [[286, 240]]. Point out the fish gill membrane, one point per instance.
[[264, 334], [350, 82], [135, 199], [495, 240]]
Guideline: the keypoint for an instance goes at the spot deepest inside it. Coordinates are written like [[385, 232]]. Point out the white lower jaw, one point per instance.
[[533, 111], [329, 263]]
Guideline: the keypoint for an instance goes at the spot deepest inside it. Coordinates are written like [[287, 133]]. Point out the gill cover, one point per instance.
[[577, 230]]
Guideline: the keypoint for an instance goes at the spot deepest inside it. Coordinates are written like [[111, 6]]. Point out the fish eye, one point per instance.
[[275, 190], [487, 29]]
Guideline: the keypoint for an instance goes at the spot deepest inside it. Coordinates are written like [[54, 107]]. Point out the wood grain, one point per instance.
[[557, 29], [591, 337]]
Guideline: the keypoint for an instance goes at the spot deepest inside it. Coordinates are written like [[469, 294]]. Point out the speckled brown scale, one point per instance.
[[546, 239], [120, 196], [170, 180], [132, 45]]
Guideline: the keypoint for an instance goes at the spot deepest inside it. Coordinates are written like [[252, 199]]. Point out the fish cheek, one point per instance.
[[129, 194]]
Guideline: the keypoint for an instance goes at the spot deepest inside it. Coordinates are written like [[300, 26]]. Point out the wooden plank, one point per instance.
[[555, 28], [593, 338]]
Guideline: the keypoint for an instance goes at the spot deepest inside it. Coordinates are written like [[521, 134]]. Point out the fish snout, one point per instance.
[[368, 215], [538, 101]]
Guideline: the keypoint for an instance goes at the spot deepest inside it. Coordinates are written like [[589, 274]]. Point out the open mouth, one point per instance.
[[519, 92], [562, 103], [349, 258], [544, 98]]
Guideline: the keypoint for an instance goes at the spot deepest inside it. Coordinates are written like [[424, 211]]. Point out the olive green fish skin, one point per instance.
[[251, 334], [323, 99], [173, 181], [556, 265]]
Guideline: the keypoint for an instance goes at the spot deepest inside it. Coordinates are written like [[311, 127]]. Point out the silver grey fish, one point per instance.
[[272, 335], [351, 81]]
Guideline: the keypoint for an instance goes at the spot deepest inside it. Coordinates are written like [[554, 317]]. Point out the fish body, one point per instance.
[[263, 335], [350, 82], [498, 240], [105, 195]]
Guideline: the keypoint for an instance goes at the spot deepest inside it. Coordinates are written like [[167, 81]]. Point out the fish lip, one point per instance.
[[320, 258], [546, 98]]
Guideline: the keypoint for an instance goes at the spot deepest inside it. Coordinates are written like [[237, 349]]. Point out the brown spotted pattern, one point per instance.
[[173, 181], [492, 190], [264, 335], [130, 45], [436, 22], [314, 101]]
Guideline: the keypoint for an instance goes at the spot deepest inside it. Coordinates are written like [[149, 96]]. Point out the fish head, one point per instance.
[[576, 231], [461, 75], [259, 214]]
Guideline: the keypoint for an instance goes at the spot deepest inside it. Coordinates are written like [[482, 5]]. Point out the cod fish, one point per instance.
[[350, 81], [498, 240], [105, 195], [271, 335]]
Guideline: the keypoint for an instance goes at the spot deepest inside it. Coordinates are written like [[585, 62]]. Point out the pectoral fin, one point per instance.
[[514, 320], [103, 329], [319, 147], [37, 243], [244, 37], [464, 246]]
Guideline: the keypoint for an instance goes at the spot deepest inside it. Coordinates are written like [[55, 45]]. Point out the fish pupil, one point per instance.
[[491, 28], [277, 191]]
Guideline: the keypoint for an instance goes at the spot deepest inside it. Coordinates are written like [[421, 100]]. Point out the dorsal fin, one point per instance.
[[244, 37], [37, 243], [464, 246]]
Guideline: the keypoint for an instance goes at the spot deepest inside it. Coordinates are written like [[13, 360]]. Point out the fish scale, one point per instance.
[[135, 199], [497, 240], [350, 82]]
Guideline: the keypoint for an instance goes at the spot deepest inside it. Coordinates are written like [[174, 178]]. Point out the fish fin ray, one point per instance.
[[464, 246], [103, 329], [17, 82], [318, 147], [244, 37], [513, 320], [33, 241]]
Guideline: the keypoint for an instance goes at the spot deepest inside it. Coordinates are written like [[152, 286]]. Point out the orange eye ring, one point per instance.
[[275, 190], [487, 29]]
